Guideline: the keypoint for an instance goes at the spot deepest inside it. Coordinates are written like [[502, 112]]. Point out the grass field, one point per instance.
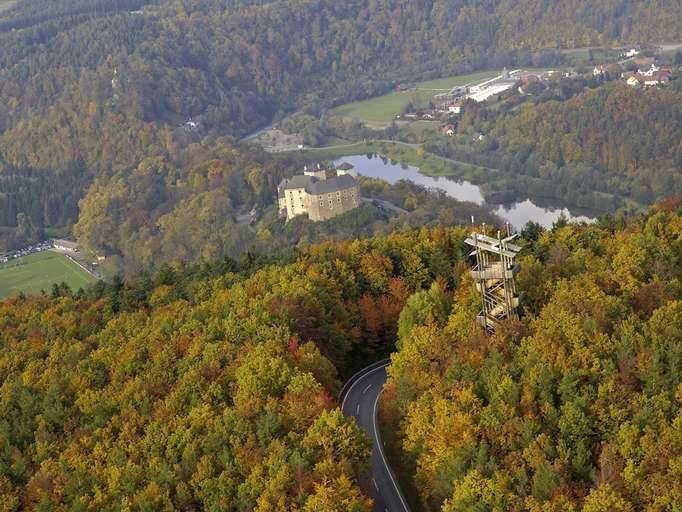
[[6, 4], [383, 109], [39, 271]]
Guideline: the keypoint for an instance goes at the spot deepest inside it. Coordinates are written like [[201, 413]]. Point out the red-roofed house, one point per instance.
[[657, 78], [645, 61]]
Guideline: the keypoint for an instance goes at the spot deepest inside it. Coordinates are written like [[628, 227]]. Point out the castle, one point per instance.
[[318, 196]]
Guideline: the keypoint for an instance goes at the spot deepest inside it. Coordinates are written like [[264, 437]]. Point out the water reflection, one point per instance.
[[517, 213]]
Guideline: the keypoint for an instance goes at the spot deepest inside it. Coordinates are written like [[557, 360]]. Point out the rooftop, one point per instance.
[[316, 187], [335, 184], [65, 243], [299, 181]]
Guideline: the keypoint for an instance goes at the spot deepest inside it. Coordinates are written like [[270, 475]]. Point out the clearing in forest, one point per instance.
[[39, 271], [383, 109]]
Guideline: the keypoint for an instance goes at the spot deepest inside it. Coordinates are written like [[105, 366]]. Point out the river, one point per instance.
[[544, 211]]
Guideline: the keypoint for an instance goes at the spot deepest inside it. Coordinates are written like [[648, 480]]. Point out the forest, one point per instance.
[[577, 406], [208, 387], [213, 386], [591, 143], [92, 89], [615, 139]]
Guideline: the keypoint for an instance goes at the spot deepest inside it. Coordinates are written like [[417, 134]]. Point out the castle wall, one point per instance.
[[325, 206], [296, 201]]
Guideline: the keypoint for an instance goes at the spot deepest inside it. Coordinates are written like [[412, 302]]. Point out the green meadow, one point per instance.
[[6, 4], [382, 109], [39, 271]]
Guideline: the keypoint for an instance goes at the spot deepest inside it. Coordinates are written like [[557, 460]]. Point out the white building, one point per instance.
[[490, 88], [651, 71], [599, 70], [65, 245], [346, 169]]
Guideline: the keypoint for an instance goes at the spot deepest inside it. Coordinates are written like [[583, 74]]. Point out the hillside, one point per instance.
[[207, 388], [615, 138], [91, 89], [212, 387], [577, 406]]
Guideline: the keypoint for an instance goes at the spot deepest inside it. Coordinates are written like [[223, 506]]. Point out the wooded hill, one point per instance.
[[91, 89], [212, 387], [209, 388], [615, 139], [577, 406], [591, 143]]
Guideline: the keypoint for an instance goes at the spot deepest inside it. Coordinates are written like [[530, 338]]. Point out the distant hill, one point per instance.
[[91, 89], [615, 138]]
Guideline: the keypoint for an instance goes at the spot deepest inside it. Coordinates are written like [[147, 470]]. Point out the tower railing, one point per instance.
[[494, 274]]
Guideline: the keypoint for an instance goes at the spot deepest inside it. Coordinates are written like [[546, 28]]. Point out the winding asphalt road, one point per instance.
[[360, 398]]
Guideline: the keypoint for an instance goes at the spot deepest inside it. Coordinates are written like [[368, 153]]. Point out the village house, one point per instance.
[[346, 168], [428, 114], [453, 107], [448, 130], [632, 52], [319, 197], [599, 70], [653, 79], [649, 72], [634, 80], [657, 78]]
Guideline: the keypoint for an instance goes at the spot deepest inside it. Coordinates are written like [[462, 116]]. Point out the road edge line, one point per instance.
[[377, 436], [359, 378]]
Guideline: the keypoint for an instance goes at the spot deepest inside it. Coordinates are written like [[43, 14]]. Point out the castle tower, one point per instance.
[[316, 172], [346, 168], [494, 277]]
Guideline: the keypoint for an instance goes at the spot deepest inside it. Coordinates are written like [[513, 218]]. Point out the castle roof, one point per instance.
[[314, 186], [335, 184]]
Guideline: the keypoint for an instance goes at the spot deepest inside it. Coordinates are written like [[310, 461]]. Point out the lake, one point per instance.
[[516, 213]]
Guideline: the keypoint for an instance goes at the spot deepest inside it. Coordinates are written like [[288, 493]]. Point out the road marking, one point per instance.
[[357, 410], [376, 431], [375, 484], [366, 389], [343, 404], [383, 457]]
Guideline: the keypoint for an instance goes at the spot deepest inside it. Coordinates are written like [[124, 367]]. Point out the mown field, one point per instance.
[[6, 4], [383, 109], [39, 271]]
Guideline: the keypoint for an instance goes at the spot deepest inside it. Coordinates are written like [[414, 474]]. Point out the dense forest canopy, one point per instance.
[[209, 387], [213, 386], [577, 406], [615, 138]]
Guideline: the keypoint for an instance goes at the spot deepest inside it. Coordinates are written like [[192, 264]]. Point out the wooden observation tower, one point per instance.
[[494, 277]]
